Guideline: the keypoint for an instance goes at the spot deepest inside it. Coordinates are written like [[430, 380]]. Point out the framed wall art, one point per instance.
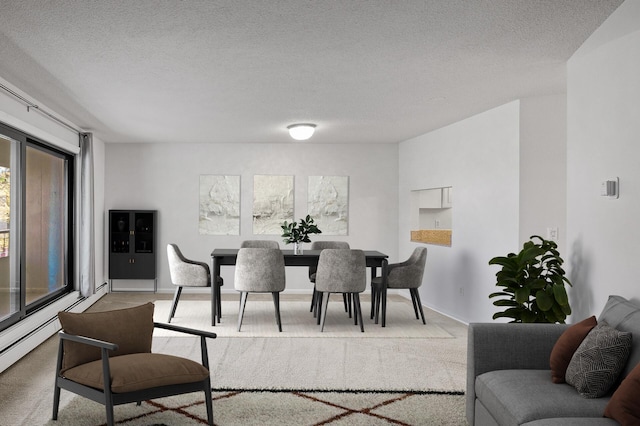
[[328, 203], [219, 205], [273, 198]]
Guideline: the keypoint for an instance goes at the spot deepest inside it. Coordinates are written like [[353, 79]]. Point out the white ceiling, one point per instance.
[[366, 71]]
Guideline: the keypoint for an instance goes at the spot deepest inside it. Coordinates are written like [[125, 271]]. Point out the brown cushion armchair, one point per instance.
[[117, 345]]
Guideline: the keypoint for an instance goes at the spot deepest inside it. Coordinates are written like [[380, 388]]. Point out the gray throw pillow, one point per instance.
[[598, 361]]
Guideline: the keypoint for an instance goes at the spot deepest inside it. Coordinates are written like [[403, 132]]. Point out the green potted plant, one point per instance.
[[297, 233], [533, 284]]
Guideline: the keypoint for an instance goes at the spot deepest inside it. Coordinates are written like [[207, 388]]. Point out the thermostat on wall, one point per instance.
[[610, 188]]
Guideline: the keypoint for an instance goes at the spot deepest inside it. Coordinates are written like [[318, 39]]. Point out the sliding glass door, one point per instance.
[[9, 283], [35, 224]]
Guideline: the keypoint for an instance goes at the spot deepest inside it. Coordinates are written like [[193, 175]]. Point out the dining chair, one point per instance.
[[404, 275], [341, 271], [117, 344], [187, 273], [260, 270], [316, 299], [260, 244]]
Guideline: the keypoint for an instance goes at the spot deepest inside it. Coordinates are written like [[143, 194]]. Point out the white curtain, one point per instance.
[[87, 227]]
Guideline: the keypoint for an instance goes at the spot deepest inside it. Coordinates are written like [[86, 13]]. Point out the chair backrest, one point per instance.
[[409, 274], [131, 329], [321, 245], [341, 271], [259, 270], [185, 272], [260, 244]]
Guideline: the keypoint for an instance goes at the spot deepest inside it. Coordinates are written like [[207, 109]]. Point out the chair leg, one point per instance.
[[373, 301], [357, 310], [378, 302], [415, 304], [319, 296], [383, 296], [56, 401], [243, 303], [417, 295], [208, 403], [314, 295], [174, 305], [276, 304], [324, 310]]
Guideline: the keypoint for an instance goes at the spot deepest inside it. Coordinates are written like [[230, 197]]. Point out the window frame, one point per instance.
[[25, 141]]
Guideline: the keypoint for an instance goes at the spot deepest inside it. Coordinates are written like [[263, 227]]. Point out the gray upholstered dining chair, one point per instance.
[[259, 270], [187, 273], [260, 244], [404, 275], [341, 271], [316, 299]]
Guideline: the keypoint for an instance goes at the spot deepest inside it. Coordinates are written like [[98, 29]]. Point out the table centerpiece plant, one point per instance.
[[297, 233]]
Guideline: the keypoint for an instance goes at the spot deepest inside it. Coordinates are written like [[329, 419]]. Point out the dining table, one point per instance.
[[308, 258]]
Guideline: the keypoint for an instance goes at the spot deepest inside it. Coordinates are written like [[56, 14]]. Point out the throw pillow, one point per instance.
[[624, 405], [131, 329], [598, 361], [566, 346]]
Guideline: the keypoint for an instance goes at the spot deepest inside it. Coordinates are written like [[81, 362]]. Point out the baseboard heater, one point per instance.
[[21, 338]]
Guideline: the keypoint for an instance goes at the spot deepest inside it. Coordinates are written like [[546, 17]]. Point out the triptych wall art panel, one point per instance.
[[272, 203], [219, 205], [328, 203]]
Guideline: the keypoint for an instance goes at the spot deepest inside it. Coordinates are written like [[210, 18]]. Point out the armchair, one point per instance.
[[117, 345]]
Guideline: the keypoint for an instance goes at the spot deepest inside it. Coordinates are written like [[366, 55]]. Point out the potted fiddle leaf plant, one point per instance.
[[297, 233], [533, 284]]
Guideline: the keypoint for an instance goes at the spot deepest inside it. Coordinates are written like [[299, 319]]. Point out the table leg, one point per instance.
[[215, 290]]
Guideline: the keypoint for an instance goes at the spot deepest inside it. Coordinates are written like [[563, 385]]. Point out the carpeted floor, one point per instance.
[[426, 374]]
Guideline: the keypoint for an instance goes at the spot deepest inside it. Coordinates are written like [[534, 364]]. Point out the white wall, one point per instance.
[[543, 167], [479, 158], [166, 177], [603, 126]]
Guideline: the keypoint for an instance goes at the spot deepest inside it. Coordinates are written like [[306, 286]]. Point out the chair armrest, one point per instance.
[[501, 346], [88, 341], [200, 333]]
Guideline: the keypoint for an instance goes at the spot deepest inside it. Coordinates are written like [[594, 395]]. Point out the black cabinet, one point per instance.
[[132, 245]]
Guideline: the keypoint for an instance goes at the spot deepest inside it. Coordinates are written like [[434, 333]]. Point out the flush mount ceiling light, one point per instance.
[[301, 131]]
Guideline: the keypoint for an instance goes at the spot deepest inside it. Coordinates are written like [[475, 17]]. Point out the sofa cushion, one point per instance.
[[624, 315], [624, 405], [131, 329], [139, 371], [565, 347], [515, 397], [598, 361]]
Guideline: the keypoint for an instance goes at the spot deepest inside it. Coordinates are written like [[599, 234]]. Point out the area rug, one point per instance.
[[259, 320], [340, 363], [283, 408]]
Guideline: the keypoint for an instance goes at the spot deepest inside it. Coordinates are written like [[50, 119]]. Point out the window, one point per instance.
[[36, 199]]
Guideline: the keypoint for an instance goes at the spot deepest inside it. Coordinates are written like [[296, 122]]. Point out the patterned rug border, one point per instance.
[[354, 391]]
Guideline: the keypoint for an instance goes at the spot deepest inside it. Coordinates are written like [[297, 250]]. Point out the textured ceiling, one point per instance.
[[378, 71]]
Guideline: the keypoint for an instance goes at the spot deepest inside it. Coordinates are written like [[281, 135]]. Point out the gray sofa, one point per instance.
[[509, 377]]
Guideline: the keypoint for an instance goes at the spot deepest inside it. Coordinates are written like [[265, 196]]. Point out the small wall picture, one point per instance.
[[328, 203], [219, 205]]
